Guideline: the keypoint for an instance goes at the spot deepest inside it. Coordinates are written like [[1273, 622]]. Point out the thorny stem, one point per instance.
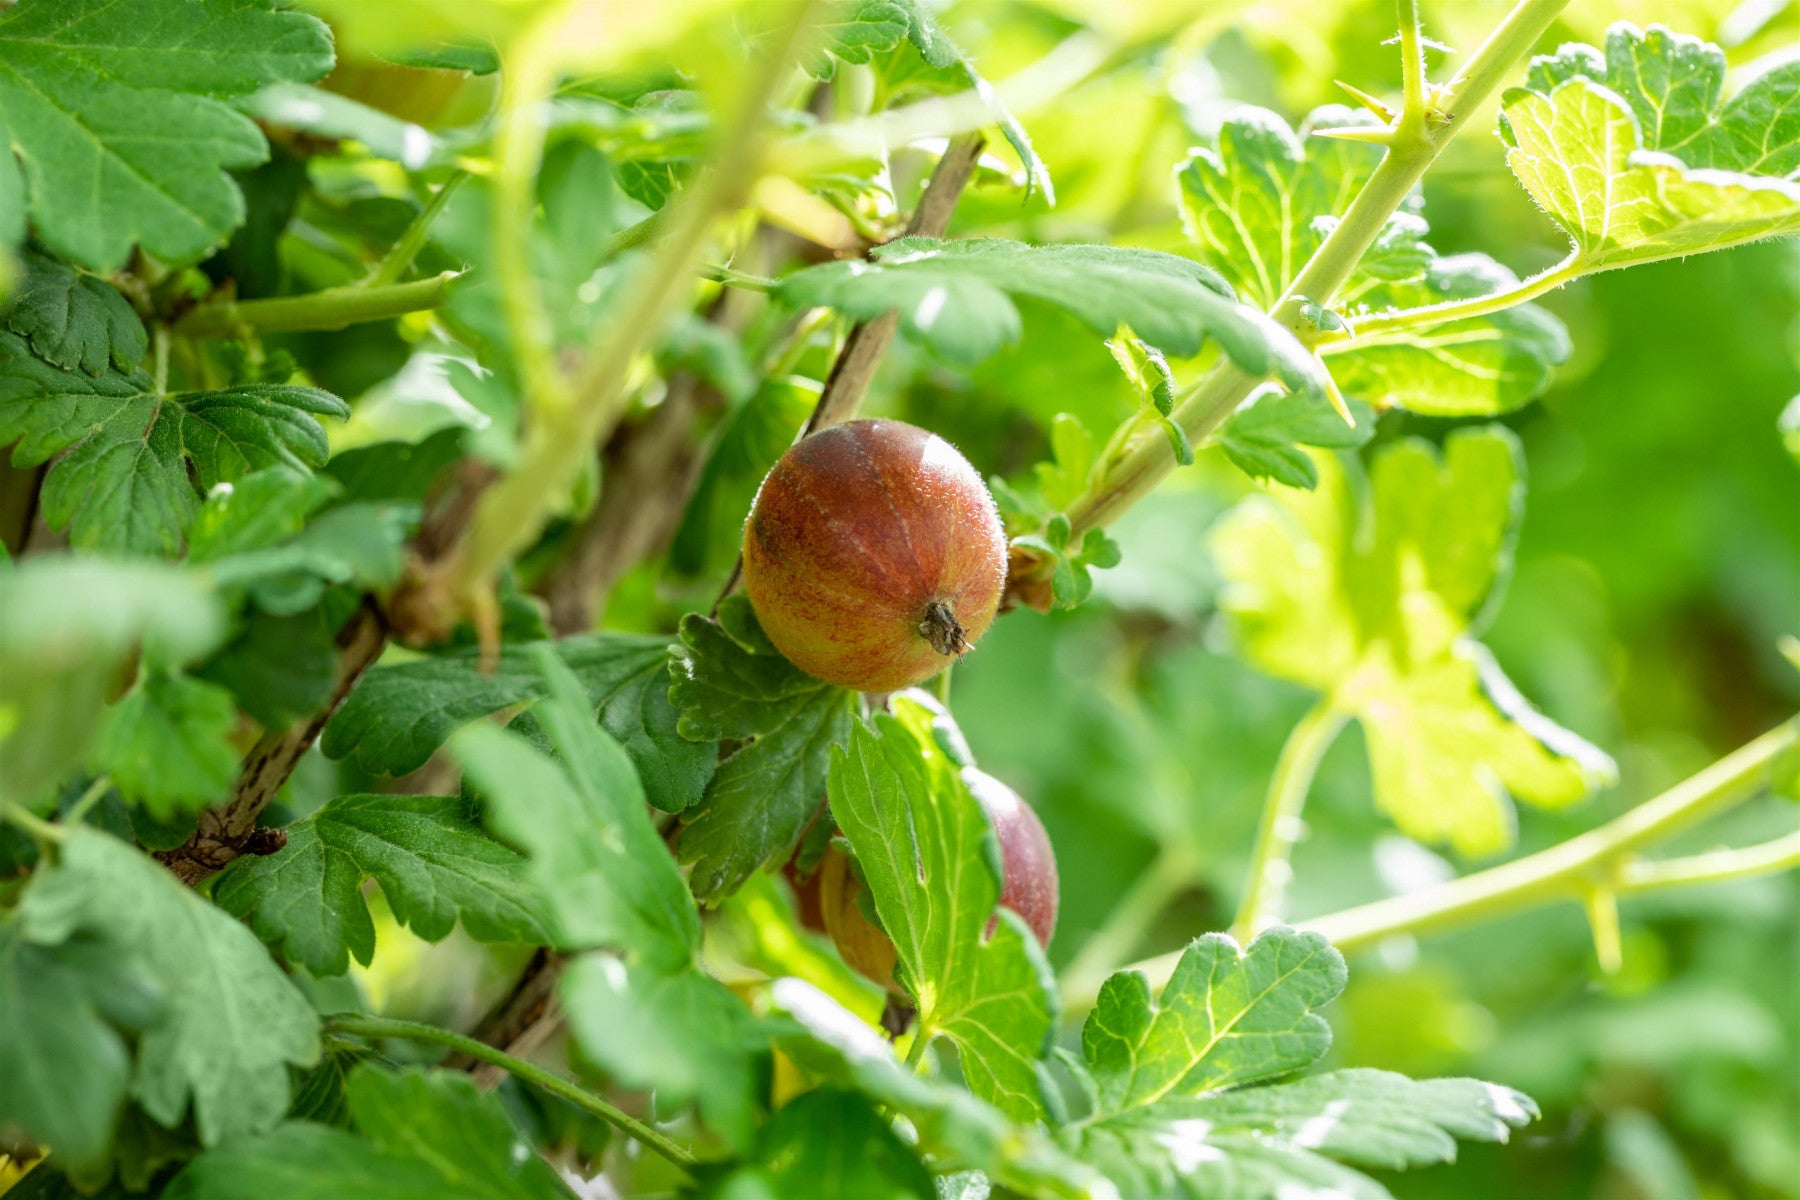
[[1601, 858], [390, 1027], [1412, 60], [513, 511], [1410, 151], [1280, 826]]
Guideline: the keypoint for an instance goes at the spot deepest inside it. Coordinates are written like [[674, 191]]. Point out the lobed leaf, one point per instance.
[[1632, 153], [397, 716], [65, 1061], [432, 859], [167, 743], [133, 462], [74, 320], [1309, 1136], [117, 125], [231, 1023], [731, 683], [1227, 1016], [419, 1136], [957, 297], [1377, 606], [932, 866]]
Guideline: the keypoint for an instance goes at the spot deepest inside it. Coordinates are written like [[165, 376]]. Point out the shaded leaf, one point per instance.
[[167, 743], [398, 715], [731, 683], [74, 320], [123, 479]]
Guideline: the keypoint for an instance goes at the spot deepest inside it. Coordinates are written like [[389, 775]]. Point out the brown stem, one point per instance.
[[521, 1020], [855, 367], [227, 832]]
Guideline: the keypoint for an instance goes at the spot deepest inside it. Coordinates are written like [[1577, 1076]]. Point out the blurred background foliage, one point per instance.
[[1659, 563]]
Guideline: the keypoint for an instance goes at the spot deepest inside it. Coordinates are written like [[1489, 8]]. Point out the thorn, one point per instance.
[[1367, 101], [1379, 136], [1337, 398]]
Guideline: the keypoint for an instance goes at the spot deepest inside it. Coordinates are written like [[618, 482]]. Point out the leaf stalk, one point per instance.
[[1281, 825]]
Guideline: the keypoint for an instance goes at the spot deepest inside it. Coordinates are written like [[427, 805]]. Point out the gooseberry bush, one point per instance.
[[441, 502]]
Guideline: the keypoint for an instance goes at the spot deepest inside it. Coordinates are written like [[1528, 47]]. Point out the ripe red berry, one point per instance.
[[873, 555], [1030, 885]]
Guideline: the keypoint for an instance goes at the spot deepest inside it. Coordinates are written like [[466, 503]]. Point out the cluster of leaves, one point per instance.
[[1379, 613], [171, 1039]]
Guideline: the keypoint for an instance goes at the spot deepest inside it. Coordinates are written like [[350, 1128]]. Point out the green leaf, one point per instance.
[[419, 1136], [1263, 437], [65, 1063], [1304, 1137], [134, 463], [1634, 156], [828, 1142], [167, 743], [1264, 200], [731, 683], [652, 1020], [328, 115], [67, 624], [932, 866], [434, 864], [258, 511], [678, 1033], [593, 855], [1251, 204], [117, 113], [956, 296], [72, 319], [854, 31], [397, 716], [231, 1022], [1478, 366], [1227, 1016], [1377, 605], [750, 439], [957, 1129], [281, 669]]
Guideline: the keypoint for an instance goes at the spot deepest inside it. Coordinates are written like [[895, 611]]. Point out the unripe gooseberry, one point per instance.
[[1028, 884], [873, 555]]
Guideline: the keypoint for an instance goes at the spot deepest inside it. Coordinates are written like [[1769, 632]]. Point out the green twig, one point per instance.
[[737, 279], [1170, 874], [89, 798], [401, 254], [1378, 329], [333, 308], [915, 1053], [1149, 457], [42, 832], [1412, 63], [1714, 866], [1569, 870], [512, 512], [1280, 826], [390, 1027]]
